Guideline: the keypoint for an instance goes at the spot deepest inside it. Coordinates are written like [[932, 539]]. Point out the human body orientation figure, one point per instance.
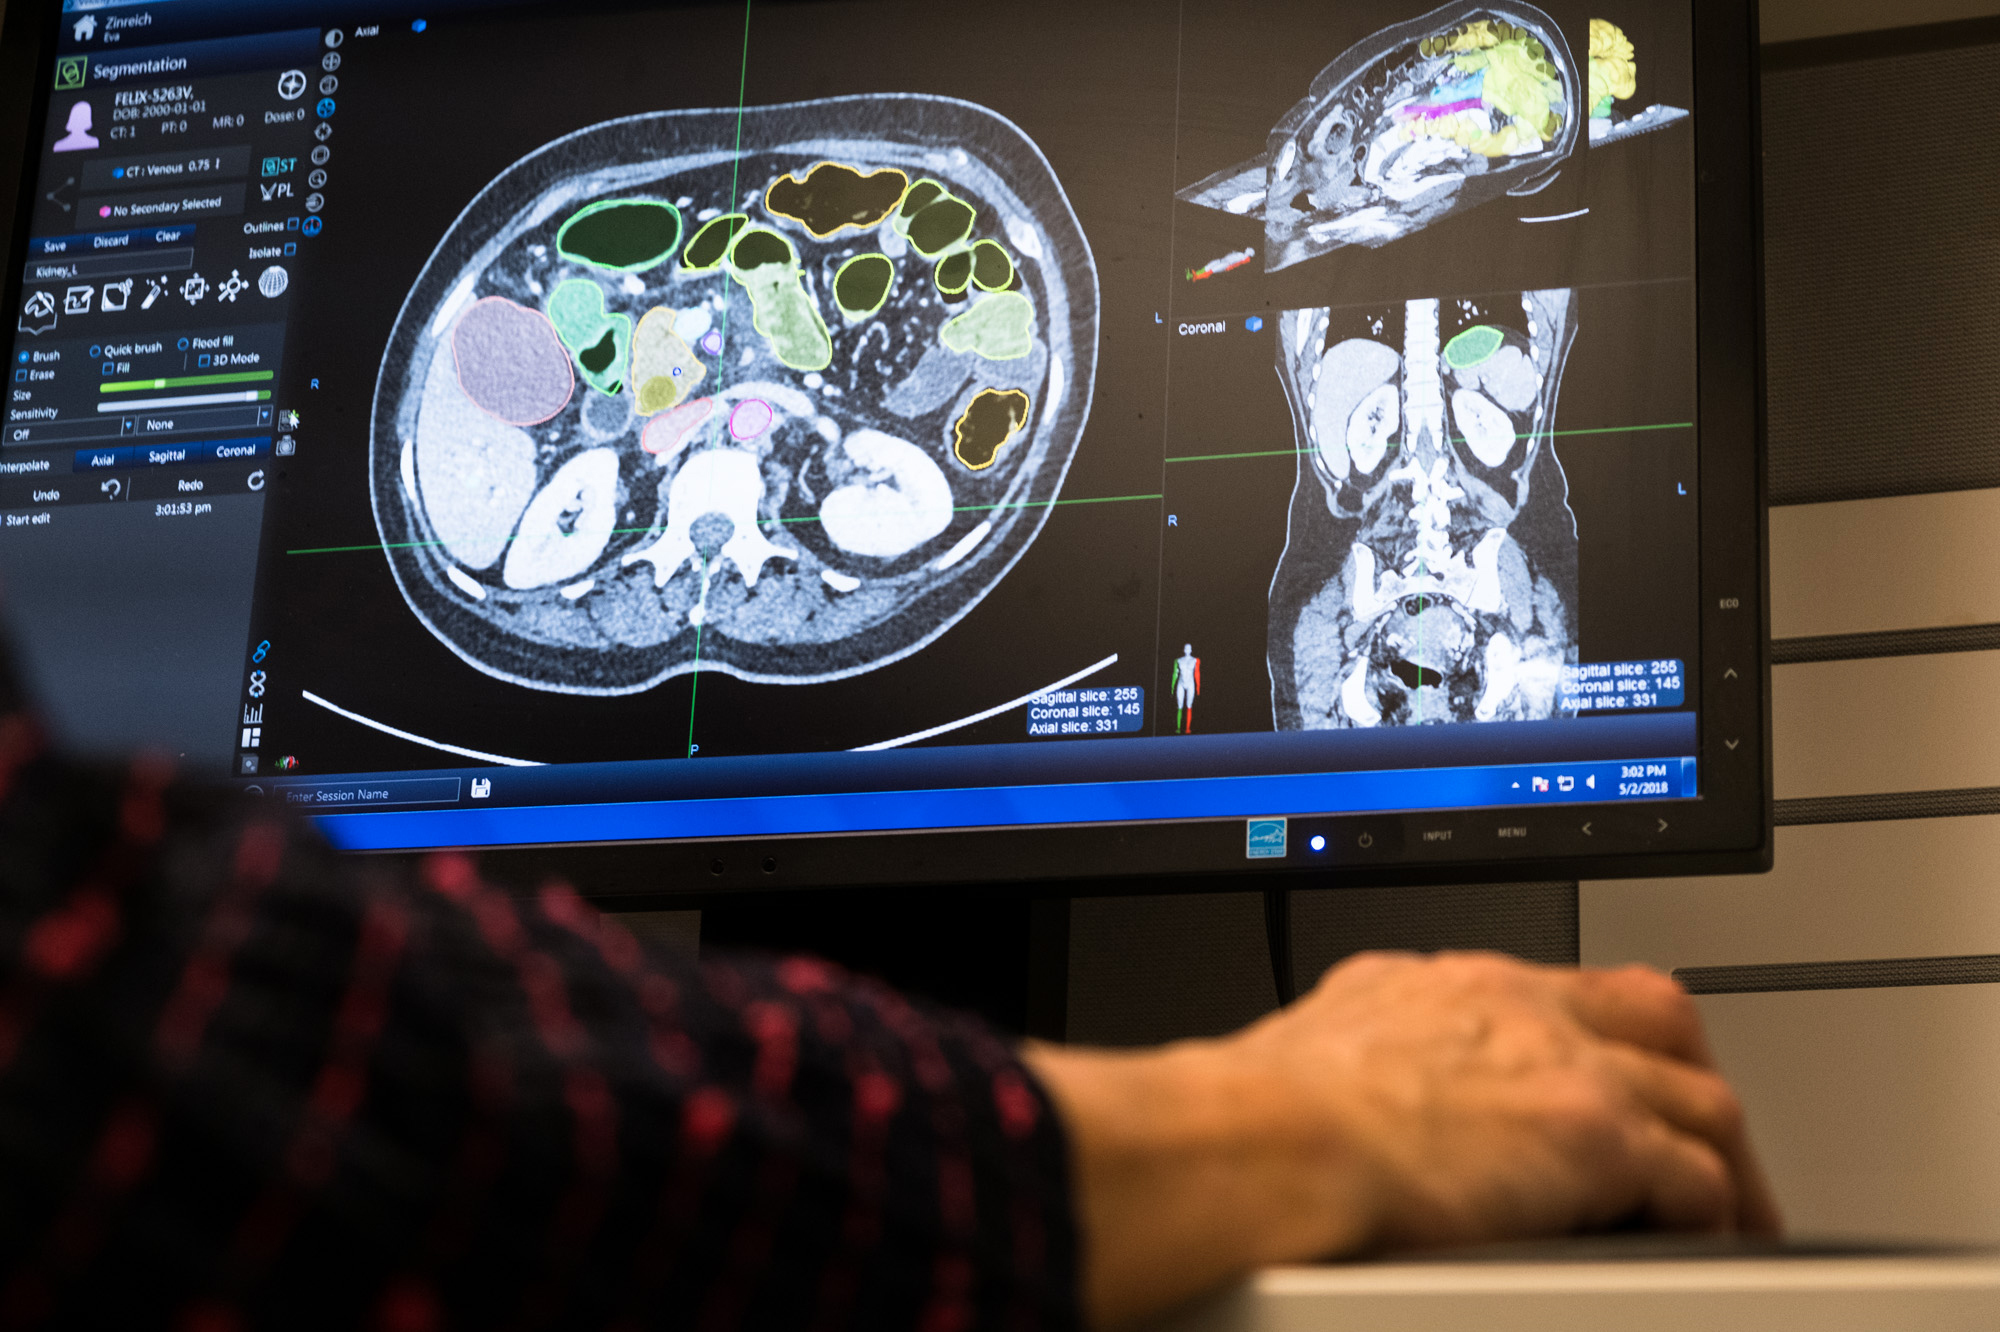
[[1187, 687]]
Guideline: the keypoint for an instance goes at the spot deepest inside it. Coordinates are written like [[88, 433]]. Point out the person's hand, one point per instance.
[[1403, 1102], [1491, 1099]]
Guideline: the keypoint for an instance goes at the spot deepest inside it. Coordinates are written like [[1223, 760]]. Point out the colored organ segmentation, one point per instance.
[[992, 270], [1473, 347], [954, 273], [1001, 328], [1614, 70], [832, 197], [941, 225], [621, 235], [768, 269], [862, 284], [1502, 97], [600, 341], [665, 370], [666, 433], [993, 417], [704, 253], [511, 363], [919, 197]]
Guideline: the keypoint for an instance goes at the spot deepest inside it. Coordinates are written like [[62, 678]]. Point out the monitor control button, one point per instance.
[[1731, 744], [1663, 825], [1729, 674], [1586, 830], [1365, 841]]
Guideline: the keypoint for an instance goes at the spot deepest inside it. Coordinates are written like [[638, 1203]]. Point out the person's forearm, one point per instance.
[[1180, 1187]]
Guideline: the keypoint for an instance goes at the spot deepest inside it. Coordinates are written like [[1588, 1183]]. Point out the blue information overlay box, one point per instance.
[[1108, 711], [1623, 686]]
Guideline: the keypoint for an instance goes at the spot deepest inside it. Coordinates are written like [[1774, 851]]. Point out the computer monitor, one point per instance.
[[823, 443]]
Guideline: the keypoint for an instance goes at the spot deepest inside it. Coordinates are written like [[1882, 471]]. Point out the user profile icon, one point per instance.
[[79, 136]]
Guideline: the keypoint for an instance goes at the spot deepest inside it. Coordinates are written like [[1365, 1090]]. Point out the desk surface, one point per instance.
[[1958, 1293]]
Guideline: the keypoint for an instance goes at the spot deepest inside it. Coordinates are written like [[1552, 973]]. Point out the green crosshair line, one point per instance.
[[722, 357]]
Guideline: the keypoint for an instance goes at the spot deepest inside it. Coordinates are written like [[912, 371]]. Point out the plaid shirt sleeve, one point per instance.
[[246, 1083]]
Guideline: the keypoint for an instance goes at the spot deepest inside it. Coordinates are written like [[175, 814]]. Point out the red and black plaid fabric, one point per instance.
[[247, 1084]]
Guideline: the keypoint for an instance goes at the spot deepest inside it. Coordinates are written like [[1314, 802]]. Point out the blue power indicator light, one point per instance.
[[1318, 843], [419, 26]]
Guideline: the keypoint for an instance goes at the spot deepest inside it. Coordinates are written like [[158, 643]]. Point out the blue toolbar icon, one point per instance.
[[325, 107], [1254, 324]]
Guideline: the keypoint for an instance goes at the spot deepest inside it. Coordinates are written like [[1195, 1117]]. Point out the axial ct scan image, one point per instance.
[[658, 403]]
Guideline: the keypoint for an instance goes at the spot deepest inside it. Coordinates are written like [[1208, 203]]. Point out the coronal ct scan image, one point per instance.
[[1430, 567], [781, 393], [1428, 118]]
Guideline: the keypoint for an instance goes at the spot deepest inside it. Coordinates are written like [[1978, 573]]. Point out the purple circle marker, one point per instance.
[[712, 342], [751, 418], [511, 363]]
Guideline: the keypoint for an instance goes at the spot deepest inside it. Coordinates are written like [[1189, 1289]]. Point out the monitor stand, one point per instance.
[[1005, 953]]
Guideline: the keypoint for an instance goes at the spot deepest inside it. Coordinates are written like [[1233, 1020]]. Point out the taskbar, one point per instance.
[[408, 813]]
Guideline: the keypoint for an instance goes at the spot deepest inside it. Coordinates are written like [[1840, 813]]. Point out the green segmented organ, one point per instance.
[[861, 286], [621, 235], [1001, 328], [992, 269], [941, 225], [600, 341], [705, 252], [768, 269], [1473, 347], [954, 272], [917, 198]]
